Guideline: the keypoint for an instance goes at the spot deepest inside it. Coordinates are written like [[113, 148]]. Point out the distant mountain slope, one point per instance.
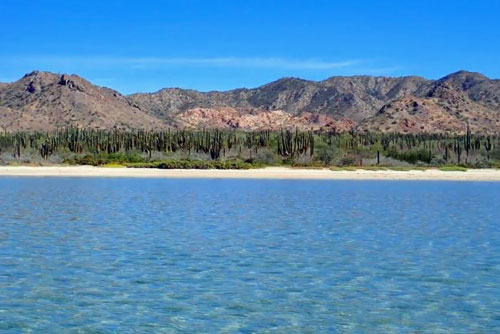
[[44, 101], [354, 97], [446, 105]]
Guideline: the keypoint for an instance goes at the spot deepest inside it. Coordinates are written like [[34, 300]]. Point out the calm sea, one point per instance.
[[96, 255]]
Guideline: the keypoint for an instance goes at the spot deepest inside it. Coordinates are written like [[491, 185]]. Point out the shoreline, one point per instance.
[[260, 173]]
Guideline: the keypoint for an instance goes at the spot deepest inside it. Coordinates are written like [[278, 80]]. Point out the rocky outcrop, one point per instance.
[[231, 118]]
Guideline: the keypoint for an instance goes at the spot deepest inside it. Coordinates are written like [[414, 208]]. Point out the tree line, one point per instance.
[[267, 147]]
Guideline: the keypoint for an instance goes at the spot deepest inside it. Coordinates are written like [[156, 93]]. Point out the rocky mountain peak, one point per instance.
[[72, 82]]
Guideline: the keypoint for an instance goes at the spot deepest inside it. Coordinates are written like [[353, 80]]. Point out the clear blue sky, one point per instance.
[[217, 45]]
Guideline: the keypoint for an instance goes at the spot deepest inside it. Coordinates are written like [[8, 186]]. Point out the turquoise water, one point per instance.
[[91, 255]]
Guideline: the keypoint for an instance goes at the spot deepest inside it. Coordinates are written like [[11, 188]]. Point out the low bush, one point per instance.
[[453, 168], [410, 156], [103, 159], [194, 164]]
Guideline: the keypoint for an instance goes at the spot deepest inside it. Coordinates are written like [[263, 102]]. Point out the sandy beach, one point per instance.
[[263, 173]]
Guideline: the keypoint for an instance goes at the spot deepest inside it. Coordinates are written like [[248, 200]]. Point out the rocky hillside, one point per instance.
[[354, 98], [44, 101]]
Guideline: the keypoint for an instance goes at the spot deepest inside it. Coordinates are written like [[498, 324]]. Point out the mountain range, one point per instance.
[[46, 101]]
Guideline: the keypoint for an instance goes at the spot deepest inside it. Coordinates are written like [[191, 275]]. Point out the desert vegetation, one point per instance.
[[208, 149]]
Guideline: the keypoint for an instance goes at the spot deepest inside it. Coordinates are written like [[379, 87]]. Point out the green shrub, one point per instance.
[[194, 164], [104, 159], [453, 168], [410, 156]]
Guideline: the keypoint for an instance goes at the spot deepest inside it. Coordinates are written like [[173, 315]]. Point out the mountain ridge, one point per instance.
[[409, 104]]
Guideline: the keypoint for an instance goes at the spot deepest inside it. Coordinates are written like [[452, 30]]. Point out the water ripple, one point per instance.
[[248, 256]]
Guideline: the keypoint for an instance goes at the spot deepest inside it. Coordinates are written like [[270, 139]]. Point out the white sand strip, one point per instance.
[[263, 173]]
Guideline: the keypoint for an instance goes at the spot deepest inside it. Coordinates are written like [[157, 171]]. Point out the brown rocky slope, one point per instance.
[[44, 101]]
